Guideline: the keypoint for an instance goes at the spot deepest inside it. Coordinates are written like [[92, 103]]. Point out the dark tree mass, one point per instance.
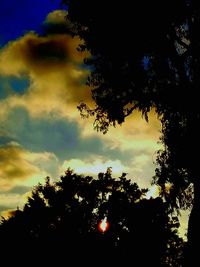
[[59, 225], [146, 55]]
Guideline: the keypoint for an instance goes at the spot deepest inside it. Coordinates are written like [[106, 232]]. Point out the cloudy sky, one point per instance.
[[42, 80]]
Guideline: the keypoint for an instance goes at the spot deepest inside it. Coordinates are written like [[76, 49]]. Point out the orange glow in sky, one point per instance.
[[103, 225]]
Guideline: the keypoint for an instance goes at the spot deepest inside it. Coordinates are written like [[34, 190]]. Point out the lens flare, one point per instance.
[[103, 225]]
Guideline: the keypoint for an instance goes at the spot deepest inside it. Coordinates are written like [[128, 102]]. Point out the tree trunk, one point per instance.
[[192, 255]]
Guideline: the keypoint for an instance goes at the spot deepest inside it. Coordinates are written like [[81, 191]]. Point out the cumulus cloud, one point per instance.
[[53, 66], [33, 54], [56, 17], [57, 22], [57, 85]]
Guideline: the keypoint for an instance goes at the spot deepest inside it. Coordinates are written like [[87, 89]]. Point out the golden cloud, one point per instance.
[[56, 88], [57, 22], [39, 55], [57, 85], [136, 136], [52, 64], [56, 17], [12, 201], [19, 166]]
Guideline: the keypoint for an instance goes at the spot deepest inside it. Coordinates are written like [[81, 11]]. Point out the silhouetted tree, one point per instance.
[[59, 224], [146, 55]]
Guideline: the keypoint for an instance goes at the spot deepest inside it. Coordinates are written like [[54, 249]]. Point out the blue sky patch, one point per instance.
[[18, 17], [12, 85]]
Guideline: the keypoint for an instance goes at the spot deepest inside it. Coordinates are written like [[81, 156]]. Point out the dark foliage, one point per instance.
[[58, 225], [146, 55]]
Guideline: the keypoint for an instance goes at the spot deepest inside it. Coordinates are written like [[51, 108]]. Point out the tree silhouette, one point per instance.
[[146, 55], [59, 224]]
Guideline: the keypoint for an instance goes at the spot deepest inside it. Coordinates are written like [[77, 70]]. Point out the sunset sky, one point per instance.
[[42, 80]]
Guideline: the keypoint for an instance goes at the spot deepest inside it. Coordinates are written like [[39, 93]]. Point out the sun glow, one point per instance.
[[103, 225]]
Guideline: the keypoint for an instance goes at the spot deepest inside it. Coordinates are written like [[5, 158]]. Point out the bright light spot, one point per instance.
[[103, 225], [93, 167]]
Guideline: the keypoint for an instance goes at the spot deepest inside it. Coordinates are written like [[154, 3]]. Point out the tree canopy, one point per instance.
[[144, 56], [59, 223], [140, 54]]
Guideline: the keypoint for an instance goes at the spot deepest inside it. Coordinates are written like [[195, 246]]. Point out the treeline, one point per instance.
[[59, 225]]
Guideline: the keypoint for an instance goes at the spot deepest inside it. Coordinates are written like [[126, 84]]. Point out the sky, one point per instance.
[[42, 80]]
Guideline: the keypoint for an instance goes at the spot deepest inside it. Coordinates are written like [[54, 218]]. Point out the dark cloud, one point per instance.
[[40, 54], [47, 51]]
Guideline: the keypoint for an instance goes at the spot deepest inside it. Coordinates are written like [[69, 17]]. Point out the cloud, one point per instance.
[[94, 166], [63, 141], [53, 66], [134, 134], [14, 164], [60, 136], [37, 55], [57, 23], [56, 17], [56, 77], [136, 139], [57, 85], [19, 189], [19, 166], [54, 69], [13, 199], [20, 170], [10, 201]]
